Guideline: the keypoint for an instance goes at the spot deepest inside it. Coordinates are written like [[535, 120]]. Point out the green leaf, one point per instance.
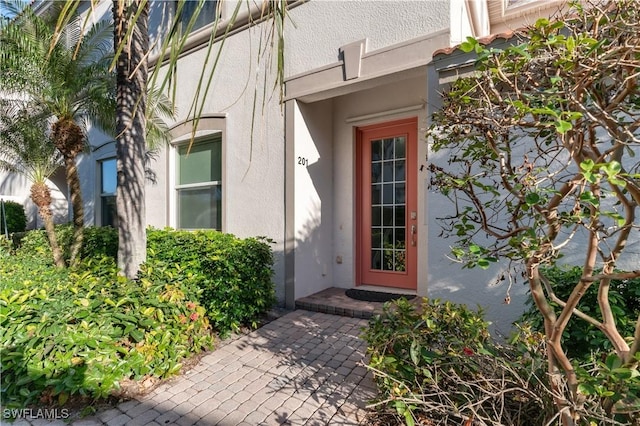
[[586, 389], [587, 165], [612, 168], [137, 335], [484, 263], [475, 249], [469, 45], [415, 352], [532, 199], [571, 44], [542, 22], [563, 127]]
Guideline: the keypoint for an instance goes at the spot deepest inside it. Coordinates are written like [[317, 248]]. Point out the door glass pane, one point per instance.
[[387, 194], [388, 204], [376, 150], [376, 196], [387, 171], [376, 237], [399, 170], [376, 259], [400, 147], [388, 149], [376, 216], [376, 172]]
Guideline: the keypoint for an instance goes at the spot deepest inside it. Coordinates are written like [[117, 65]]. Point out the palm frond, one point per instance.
[[96, 45], [26, 147], [159, 108]]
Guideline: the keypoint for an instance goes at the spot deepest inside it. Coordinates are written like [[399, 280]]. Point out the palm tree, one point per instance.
[[132, 47], [131, 132], [26, 150], [64, 77]]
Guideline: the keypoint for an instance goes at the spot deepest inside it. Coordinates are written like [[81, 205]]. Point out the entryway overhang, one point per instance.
[[359, 70]]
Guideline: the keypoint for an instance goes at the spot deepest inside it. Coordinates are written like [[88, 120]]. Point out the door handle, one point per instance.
[[414, 231]]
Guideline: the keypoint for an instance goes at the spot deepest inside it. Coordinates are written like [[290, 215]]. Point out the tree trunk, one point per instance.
[[73, 180], [41, 197], [131, 72], [69, 139]]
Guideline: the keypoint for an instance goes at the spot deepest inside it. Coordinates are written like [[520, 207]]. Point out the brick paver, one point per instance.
[[304, 368]]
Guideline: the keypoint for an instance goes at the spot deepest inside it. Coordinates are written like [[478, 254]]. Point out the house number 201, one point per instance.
[[303, 161]]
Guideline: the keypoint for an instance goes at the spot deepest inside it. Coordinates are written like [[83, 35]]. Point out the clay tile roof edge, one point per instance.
[[507, 35]]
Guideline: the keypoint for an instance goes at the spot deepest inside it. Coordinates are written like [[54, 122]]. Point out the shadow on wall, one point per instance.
[[314, 202], [313, 252], [501, 299]]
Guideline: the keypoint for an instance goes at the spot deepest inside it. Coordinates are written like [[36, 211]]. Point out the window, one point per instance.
[[199, 184], [108, 180], [206, 16]]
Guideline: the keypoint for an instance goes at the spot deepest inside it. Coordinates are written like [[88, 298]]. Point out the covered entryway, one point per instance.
[[355, 189]]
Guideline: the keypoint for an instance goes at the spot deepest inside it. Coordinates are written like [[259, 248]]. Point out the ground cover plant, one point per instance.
[[435, 363], [82, 331]]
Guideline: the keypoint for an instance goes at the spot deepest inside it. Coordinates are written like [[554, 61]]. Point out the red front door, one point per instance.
[[387, 204]]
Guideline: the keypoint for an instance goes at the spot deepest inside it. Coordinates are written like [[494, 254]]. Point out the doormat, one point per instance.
[[375, 296]]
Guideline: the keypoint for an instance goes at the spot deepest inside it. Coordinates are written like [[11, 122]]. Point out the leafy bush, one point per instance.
[[66, 332], [15, 216], [234, 274], [437, 362], [98, 242], [585, 338], [81, 332]]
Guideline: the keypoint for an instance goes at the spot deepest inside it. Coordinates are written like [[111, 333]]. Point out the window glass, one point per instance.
[[200, 163], [199, 185], [108, 181], [206, 16], [199, 208]]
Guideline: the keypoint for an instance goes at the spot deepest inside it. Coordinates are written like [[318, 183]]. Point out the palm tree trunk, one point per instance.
[[69, 139], [73, 180], [130, 131], [41, 197]]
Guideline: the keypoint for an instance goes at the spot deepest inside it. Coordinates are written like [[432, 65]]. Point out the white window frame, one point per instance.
[[201, 136]]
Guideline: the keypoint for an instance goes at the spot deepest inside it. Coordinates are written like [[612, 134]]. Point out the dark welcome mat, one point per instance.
[[375, 296]]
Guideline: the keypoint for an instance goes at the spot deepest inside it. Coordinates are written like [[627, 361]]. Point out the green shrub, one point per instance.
[[15, 217], [438, 363], [80, 332], [234, 274], [98, 242], [583, 337]]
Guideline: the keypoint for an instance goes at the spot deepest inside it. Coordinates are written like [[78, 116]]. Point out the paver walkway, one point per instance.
[[304, 368]]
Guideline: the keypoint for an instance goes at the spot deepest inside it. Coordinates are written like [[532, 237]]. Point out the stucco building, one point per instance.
[[334, 174]]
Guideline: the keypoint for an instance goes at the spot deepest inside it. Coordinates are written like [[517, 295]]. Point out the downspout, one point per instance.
[[477, 13]]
